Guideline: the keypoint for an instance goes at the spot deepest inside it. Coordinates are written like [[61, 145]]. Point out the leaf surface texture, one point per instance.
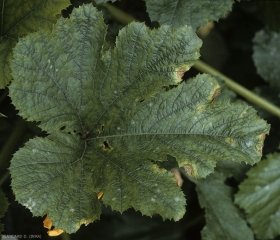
[[110, 118]]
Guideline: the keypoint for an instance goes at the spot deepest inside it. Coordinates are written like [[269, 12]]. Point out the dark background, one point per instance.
[[228, 47]]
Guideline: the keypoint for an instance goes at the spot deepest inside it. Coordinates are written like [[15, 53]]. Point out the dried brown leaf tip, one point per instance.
[[177, 176], [52, 232], [100, 195]]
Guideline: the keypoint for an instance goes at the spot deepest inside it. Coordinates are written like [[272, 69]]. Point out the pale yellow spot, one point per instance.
[[189, 170], [230, 141]]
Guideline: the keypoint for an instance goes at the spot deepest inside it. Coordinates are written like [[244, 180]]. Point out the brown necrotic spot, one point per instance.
[[215, 94], [180, 72], [260, 146]]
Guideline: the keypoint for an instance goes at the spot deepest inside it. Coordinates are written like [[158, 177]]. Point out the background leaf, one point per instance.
[[103, 1], [259, 196], [110, 117], [187, 12], [19, 18], [224, 220], [267, 55]]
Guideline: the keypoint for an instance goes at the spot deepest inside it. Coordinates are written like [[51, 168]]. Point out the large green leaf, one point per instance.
[[110, 118], [259, 196], [19, 17], [195, 13], [223, 218], [266, 56], [3, 208]]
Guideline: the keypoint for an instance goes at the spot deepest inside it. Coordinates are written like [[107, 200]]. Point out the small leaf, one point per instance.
[[224, 220], [259, 196], [266, 56], [110, 119], [187, 12], [18, 18]]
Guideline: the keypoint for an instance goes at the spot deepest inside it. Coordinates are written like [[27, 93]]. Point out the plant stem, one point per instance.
[[118, 14], [249, 95]]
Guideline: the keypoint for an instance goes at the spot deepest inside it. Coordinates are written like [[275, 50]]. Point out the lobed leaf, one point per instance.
[[259, 196], [19, 18], [187, 12], [267, 55], [110, 118], [223, 218]]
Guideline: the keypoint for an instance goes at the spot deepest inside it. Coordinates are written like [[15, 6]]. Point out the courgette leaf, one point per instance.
[[111, 116]]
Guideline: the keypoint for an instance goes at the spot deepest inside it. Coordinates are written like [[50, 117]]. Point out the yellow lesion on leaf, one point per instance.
[[52, 232], [230, 141], [189, 170], [216, 93], [260, 145], [180, 72], [200, 108]]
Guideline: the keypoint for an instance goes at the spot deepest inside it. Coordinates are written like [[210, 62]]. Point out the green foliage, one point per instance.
[[3, 208], [187, 12], [259, 196], [224, 220], [109, 118], [20, 17], [266, 56]]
